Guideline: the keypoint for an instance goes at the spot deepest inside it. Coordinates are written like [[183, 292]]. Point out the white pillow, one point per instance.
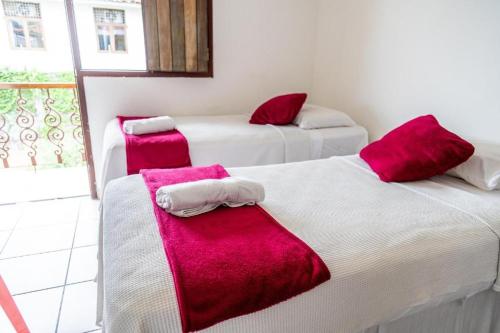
[[482, 169], [313, 116]]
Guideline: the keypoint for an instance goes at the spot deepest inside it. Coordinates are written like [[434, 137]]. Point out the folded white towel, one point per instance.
[[198, 197], [149, 125]]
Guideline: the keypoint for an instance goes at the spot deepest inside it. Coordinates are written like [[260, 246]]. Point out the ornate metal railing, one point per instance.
[[39, 120]]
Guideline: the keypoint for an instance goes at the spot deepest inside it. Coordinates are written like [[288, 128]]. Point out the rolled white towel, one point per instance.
[[149, 125], [198, 197]]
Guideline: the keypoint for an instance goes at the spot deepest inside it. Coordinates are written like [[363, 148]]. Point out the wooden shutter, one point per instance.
[[177, 35]]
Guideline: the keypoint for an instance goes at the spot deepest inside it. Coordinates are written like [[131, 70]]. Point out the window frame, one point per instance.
[[25, 23], [135, 73], [111, 27], [81, 74]]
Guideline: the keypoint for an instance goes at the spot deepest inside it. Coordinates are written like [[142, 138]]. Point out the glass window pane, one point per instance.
[[21, 9], [35, 33], [120, 44], [18, 37], [103, 38], [103, 15]]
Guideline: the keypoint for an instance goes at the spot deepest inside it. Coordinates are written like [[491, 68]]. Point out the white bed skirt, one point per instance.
[[479, 313]]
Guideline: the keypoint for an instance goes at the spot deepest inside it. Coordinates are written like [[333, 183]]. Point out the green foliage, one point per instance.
[[35, 103], [7, 75], [8, 98]]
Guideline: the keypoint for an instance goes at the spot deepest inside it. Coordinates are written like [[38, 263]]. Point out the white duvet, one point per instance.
[[390, 248], [231, 141]]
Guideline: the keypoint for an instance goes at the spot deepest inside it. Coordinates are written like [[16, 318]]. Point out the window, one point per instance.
[[24, 24], [142, 37], [111, 30]]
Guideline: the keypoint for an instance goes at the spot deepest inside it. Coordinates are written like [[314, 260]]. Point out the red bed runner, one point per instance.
[[231, 261], [158, 150]]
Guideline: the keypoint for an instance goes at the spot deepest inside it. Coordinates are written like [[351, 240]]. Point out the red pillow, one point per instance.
[[280, 110], [417, 150]]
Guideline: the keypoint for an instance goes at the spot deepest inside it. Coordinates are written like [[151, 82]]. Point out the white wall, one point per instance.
[[261, 48], [386, 61], [382, 61]]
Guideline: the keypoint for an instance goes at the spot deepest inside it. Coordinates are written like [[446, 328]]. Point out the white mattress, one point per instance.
[[392, 249], [233, 142]]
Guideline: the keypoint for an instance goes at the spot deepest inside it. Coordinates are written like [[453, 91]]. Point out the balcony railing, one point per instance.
[[40, 125]]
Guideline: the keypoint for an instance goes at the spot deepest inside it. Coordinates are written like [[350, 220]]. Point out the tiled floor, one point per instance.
[[25, 184], [48, 261]]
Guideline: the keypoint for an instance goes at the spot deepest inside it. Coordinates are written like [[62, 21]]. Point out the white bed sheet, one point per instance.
[[231, 141], [391, 249]]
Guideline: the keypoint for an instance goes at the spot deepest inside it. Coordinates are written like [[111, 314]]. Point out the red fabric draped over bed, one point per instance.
[[158, 150], [231, 261]]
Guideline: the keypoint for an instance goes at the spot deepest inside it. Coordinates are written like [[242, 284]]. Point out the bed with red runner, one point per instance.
[[400, 255], [231, 141], [231, 261]]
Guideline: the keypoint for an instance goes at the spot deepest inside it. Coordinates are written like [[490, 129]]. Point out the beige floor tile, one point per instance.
[[83, 265], [35, 272], [78, 312], [38, 240], [86, 233], [40, 309]]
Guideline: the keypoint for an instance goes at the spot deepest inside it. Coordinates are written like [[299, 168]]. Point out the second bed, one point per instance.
[[232, 142]]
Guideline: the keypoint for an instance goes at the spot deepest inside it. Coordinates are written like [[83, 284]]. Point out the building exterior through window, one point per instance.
[[34, 35], [24, 24], [111, 29]]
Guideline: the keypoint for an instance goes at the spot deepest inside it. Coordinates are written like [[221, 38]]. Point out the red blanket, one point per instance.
[[158, 150], [231, 261]]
